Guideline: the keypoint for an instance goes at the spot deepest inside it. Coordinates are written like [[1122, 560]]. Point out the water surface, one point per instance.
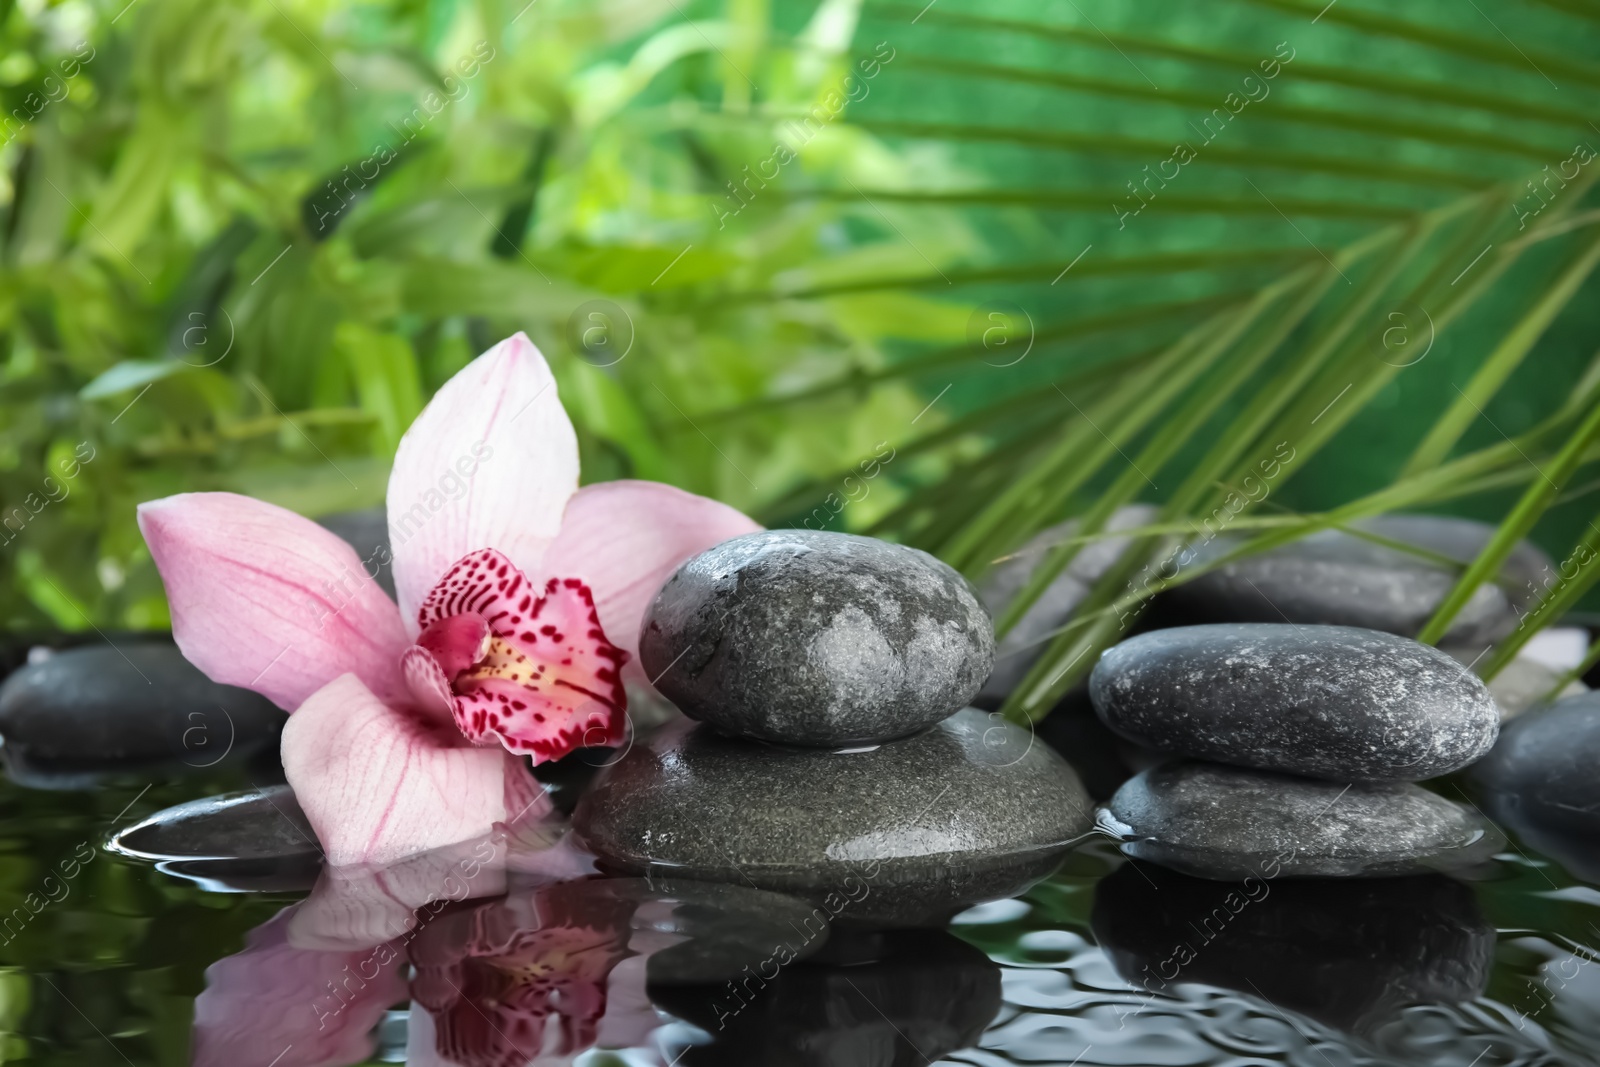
[[102, 957]]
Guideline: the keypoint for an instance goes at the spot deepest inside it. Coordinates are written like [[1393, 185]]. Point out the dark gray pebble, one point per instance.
[[1212, 821], [904, 834], [1546, 765], [264, 824], [1326, 701], [1341, 579], [106, 706], [816, 638]]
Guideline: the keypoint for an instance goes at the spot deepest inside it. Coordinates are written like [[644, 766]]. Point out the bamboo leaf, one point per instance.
[[1516, 525], [1506, 358]]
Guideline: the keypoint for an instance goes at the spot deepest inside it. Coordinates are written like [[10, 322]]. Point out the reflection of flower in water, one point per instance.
[[492, 976]]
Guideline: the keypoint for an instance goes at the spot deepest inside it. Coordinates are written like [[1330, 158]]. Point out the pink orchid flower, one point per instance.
[[520, 601]]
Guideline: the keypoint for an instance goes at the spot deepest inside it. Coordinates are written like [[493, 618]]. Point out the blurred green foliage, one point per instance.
[[946, 273], [249, 239]]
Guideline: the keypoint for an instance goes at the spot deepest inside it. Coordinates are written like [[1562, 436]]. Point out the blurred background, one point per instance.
[[946, 273]]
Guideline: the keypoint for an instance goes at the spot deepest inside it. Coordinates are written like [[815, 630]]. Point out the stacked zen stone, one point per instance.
[[832, 757], [1312, 737], [1390, 574]]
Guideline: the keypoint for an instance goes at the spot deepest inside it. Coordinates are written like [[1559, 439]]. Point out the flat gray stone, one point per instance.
[[1326, 701], [816, 638], [262, 824], [1213, 821], [1025, 642], [1349, 953], [1337, 578], [903, 834], [367, 532], [134, 703]]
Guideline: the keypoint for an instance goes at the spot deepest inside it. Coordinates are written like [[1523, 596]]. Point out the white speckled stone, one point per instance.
[[814, 638], [1325, 701], [1213, 821]]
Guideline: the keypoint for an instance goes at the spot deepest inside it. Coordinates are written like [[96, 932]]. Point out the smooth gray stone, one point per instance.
[[1025, 642], [262, 824], [1213, 821], [1546, 766], [905, 834], [1340, 579], [1326, 701], [1349, 953], [367, 532], [816, 638], [136, 703]]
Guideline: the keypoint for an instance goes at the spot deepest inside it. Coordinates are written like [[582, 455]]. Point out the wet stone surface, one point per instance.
[[254, 825], [133, 704], [815, 638], [1546, 766], [1338, 578], [1213, 821], [1331, 702], [904, 834]]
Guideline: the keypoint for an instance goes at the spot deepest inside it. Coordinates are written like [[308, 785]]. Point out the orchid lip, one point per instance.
[[528, 669]]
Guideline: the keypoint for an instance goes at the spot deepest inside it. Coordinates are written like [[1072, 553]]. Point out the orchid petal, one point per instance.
[[456, 643], [378, 783], [545, 680], [490, 462], [318, 1008], [428, 683], [626, 538], [268, 600]]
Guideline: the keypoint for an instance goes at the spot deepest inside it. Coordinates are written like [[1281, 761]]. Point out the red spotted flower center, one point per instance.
[[515, 665]]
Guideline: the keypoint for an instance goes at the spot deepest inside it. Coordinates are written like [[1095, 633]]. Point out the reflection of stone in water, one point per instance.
[[1347, 952], [891, 999]]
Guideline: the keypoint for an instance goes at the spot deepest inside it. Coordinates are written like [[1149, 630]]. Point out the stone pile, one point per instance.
[[1311, 738], [832, 757]]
